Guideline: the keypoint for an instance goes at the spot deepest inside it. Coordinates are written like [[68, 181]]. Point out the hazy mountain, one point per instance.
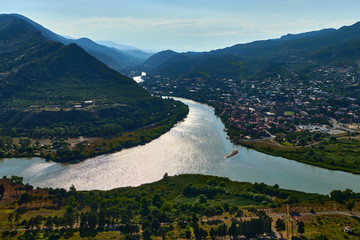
[[159, 58], [115, 58], [117, 45]]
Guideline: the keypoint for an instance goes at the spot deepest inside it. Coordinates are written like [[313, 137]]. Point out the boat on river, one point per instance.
[[233, 153]]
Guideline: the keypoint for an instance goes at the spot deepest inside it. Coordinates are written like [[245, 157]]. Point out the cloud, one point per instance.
[[202, 33]]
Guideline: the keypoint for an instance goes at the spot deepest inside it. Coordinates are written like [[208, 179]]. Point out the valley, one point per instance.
[[54, 91], [100, 140]]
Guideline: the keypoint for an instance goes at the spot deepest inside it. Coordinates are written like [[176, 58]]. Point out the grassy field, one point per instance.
[[331, 226], [340, 154]]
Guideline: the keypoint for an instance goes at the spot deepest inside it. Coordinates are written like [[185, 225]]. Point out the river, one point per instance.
[[196, 145]]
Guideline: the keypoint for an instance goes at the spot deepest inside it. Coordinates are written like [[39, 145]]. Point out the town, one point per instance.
[[277, 103]]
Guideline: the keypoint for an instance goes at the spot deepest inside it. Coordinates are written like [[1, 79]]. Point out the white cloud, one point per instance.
[[175, 33]]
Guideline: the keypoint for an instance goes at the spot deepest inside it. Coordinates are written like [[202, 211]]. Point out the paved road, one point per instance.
[[356, 214]]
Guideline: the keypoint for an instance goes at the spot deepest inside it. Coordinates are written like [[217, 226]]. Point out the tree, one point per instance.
[[233, 230], [92, 220], [222, 230], [197, 231], [203, 233], [147, 234], [25, 198], [157, 201], [188, 234], [212, 233], [226, 207], [24, 142], [17, 218], [301, 227], [280, 225], [69, 216], [11, 217], [202, 198], [233, 210], [144, 206], [350, 205], [2, 191], [155, 225], [239, 214]]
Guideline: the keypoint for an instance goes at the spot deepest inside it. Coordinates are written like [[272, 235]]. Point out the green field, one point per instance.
[[337, 154]]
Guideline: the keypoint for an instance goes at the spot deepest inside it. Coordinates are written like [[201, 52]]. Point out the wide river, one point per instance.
[[196, 145]]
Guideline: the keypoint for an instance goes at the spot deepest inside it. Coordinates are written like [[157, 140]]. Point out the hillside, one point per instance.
[[291, 49], [46, 85], [118, 59]]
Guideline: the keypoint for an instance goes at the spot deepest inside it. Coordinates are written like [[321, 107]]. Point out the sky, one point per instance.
[[184, 25]]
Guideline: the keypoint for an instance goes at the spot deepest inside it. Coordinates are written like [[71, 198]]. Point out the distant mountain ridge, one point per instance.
[[118, 59], [289, 49]]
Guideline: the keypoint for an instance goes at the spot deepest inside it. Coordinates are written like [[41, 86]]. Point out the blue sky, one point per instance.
[[184, 25]]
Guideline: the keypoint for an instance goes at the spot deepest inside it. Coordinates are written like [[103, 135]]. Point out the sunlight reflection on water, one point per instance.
[[196, 145]]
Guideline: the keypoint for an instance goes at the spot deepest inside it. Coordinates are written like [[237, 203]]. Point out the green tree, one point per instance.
[[212, 233], [2, 191], [280, 225], [188, 234], [147, 234], [24, 142], [17, 218], [202, 198], [239, 214], [233, 230], [222, 230], [144, 206], [301, 227], [11, 218], [155, 225], [92, 220], [226, 207], [350, 205], [203, 233], [233, 210]]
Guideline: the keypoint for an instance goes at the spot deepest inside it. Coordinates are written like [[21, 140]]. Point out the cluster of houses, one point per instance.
[[278, 102]]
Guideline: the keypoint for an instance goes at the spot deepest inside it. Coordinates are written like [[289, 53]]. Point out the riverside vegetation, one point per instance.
[[179, 207]]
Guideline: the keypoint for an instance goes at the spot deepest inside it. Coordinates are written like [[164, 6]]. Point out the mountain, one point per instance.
[[42, 81], [117, 45], [118, 59], [137, 53], [305, 35], [296, 47], [159, 58], [258, 55], [343, 52]]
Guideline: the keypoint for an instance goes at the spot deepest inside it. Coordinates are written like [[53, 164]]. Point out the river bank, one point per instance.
[[339, 153], [75, 150], [196, 145], [332, 152]]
